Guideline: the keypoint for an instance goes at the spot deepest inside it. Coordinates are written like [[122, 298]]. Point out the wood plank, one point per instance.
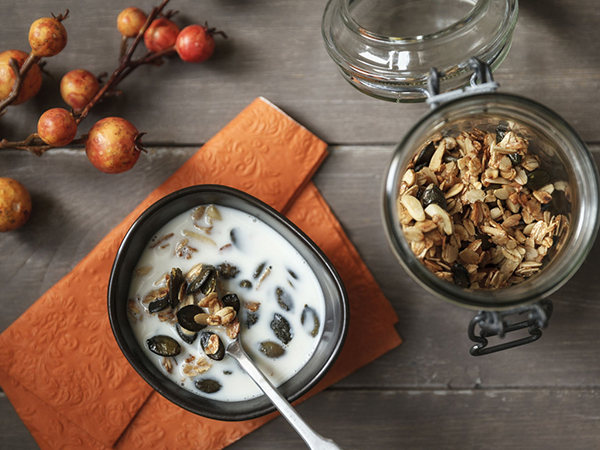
[[276, 50], [435, 351], [417, 419], [71, 214], [469, 419], [13, 434]]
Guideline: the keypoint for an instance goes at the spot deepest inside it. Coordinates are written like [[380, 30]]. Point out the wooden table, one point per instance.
[[427, 394]]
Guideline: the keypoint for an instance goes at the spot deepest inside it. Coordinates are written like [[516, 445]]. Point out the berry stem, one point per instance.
[[125, 67], [19, 77], [35, 145], [127, 64]]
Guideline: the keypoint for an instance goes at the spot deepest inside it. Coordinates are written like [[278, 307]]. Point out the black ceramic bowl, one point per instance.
[[335, 322]]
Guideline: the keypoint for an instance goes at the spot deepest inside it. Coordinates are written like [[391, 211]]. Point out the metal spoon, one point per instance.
[[312, 439]]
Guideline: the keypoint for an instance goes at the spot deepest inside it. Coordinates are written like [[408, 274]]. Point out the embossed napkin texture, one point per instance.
[[69, 382]]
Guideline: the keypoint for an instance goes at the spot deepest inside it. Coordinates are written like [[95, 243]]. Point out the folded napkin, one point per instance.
[[68, 380]]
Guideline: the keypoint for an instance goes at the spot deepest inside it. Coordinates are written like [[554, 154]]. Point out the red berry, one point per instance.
[[78, 87], [195, 44], [47, 37], [130, 21], [57, 127], [112, 145], [15, 204], [160, 35], [32, 83]]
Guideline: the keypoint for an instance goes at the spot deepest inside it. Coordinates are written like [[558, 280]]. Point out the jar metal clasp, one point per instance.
[[482, 82]]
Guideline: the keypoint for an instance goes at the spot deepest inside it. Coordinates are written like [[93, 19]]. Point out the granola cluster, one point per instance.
[[481, 211]]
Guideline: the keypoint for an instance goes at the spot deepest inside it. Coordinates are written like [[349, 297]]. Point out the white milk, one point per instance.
[[255, 243]]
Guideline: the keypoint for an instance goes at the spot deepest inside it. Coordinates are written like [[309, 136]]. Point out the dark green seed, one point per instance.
[[501, 131], [227, 372], [460, 276], [204, 340], [157, 300], [259, 270], [284, 299], [306, 312], [185, 317], [163, 345], [425, 156], [175, 281], [281, 328], [537, 179], [186, 336], [515, 158], [232, 236], [208, 386], [251, 319], [158, 305], [231, 300], [271, 349], [205, 282], [246, 284], [227, 271], [433, 194], [294, 276]]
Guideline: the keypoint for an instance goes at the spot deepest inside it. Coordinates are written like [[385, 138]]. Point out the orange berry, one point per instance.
[[78, 87], [130, 21], [57, 127], [47, 37], [15, 204], [33, 80]]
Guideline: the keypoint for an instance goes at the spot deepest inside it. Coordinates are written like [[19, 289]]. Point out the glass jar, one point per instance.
[[410, 51], [551, 138], [386, 48]]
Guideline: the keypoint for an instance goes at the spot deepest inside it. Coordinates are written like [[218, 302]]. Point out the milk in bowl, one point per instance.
[[209, 274]]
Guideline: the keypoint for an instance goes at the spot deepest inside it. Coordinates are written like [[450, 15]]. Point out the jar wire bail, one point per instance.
[[482, 82]]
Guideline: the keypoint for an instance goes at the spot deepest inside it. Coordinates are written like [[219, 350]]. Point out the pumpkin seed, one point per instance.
[[212, 345], [281, 328], [271, 349], [433, 194], [163, 345], [306, 312], [231, 300], [284, 299], [208, 386], [460, 276], [185, 318]]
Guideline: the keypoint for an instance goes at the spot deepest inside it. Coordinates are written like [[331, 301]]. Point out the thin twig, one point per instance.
[[115, 78], [127, 65], [20, 75]]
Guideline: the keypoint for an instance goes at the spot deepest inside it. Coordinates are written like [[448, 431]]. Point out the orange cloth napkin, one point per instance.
[[68, 380]]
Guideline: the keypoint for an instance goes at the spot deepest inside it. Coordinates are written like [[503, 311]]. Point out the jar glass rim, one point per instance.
[[353, 25], [582, 236]]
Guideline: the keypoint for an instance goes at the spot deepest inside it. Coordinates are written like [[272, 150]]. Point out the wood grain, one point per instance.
[[418, 420], [427, 394], [67, 223], [275, 50]]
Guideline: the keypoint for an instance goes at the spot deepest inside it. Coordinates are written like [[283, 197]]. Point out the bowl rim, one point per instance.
[[157, 384]]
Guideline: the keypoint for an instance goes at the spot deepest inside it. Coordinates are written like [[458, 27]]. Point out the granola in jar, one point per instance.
[[481, 210]]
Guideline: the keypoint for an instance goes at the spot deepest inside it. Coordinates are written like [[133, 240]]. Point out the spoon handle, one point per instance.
[[312, 439]]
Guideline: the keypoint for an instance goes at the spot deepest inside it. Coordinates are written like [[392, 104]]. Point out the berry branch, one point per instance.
[[20, 74], [113, 144], [127, 65]]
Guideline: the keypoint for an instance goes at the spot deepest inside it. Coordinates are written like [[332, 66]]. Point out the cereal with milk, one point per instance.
[[209, 274]]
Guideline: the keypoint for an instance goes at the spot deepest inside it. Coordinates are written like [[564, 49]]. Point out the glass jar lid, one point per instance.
[[386, 48]]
